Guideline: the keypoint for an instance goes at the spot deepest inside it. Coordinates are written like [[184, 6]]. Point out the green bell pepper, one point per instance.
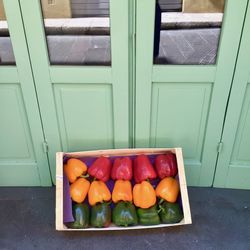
[[170, 212], [100, 215], [81, 216], [148, 216], [124, 214]]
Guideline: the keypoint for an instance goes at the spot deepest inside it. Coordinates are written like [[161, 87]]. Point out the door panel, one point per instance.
[[181, 122], [82, 107], [76, 128], [233, 168], [184, 105], [22, 159]]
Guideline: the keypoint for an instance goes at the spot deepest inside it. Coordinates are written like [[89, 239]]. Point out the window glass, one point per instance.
[[77, 31], [188, 31], [6, 50]]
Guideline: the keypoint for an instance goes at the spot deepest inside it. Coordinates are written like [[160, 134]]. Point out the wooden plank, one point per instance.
[[78, 74], [121, 152], [171, 73], [59, 192]]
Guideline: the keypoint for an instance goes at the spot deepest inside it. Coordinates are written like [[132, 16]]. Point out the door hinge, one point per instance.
[[45, 147], [219, 147]]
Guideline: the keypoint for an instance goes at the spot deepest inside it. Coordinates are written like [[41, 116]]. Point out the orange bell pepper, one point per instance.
[[74, 168], [122, 191], [98, 192], [168, 189], [79, 190], [144, 195]]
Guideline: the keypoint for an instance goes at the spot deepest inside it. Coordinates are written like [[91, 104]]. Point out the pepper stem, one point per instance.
[[84, 176], [159, 210], [161, 201]]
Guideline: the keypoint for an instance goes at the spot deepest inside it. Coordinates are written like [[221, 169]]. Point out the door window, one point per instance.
[[189, 35], [77, 31], [6, 50]]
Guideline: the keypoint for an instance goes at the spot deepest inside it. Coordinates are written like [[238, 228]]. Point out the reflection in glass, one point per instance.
[[6, 50], [188, 31], [77, 31]]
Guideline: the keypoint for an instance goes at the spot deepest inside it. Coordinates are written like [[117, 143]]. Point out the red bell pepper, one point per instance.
[[122, 169], [100, 169], [143, 169], [166, 165]]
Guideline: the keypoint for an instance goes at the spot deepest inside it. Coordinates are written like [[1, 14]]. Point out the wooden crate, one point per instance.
[[120, 152]]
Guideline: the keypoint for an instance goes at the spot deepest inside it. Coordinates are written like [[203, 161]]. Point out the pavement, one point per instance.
[[221, 220]]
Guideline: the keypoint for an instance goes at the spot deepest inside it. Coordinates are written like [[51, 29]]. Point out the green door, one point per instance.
[[182, 101], [233, 167], [23, 161], [80, 70]]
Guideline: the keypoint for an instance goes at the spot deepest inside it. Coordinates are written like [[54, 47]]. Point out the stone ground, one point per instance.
[[188, 46], [221, 220]]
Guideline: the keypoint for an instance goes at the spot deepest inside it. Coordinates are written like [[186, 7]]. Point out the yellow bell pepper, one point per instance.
[[168, 189], [74, 169], [98, 192], [122, 191], [79, 190], [144, 195]]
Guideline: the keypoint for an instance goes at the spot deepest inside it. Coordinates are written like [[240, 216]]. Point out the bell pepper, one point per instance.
[[79, 190], [100, 215], [143, 169], [168, 189], [148, 216], [166, 165], [122, 191], [100, 169], [98, 192], [144, 195], [124, 214], [74, 168], [122, 169], [170, 212], [81, 216]]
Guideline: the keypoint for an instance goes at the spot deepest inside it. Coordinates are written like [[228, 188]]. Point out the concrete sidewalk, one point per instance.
[[221, 220], [101, 26]]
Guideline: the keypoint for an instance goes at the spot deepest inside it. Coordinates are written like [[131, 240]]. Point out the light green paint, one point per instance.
[[78, 74], [80, 127], [22, 160], [233, 168], [171, 73], [190, 117]]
